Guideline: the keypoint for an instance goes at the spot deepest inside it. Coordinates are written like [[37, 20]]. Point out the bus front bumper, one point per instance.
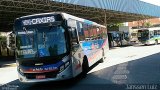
[[66, 74]]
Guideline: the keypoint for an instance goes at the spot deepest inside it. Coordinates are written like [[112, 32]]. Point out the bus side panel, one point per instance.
[[153, 39], [157, 37], [150, 41], [77, 59], [93, 49], [88, 50]]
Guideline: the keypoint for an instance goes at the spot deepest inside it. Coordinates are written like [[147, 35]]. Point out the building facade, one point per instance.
[[141, 23]]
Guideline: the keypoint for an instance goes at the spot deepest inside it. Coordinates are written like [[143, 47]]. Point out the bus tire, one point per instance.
[[156, 42], [85, 66]]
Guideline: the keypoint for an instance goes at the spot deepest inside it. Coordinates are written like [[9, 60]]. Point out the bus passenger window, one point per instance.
[[80, 31], [155, 32]]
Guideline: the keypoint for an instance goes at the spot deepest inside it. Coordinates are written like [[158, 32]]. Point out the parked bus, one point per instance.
[[134, 36], [118, 38], [57, 46], [149, 35]]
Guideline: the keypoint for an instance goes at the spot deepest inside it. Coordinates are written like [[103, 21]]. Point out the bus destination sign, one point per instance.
[[41, 20]]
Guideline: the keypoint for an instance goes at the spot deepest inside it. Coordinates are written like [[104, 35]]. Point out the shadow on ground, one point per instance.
[[142, 45], [7, 62]]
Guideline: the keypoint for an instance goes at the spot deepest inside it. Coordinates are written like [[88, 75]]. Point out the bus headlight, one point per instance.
[[20, 71]]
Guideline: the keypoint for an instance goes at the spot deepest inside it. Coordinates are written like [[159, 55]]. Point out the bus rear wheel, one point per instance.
[[85, 67]]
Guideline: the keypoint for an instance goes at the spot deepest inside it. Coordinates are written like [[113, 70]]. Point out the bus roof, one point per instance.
[[151, 28], [66, 16]]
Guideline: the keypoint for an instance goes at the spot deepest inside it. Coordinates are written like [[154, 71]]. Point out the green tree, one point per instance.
[[115, 25], [147, 24]]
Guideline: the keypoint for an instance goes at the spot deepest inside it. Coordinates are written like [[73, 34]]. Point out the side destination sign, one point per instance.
[[38, 20]]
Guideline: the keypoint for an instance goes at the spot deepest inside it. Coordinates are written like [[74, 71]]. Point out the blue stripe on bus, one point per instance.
[[154, 37], [90, 45]]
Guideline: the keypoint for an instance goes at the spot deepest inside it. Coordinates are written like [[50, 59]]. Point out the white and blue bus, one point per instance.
[[57, 46], [149, 36]]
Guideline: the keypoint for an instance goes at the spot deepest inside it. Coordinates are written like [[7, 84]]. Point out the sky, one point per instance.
[[155, 2]]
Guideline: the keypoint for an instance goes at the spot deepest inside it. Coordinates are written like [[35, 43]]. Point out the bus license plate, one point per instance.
[[40, 76]]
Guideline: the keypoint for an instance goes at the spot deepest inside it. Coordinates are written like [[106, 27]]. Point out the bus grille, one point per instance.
[[47, 75]]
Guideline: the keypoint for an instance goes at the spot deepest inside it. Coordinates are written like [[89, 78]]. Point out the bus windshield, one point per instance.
[[41, 42], [116, 36], [143, 34]]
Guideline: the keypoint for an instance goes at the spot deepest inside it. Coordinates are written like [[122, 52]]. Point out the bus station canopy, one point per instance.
[[100, 11]]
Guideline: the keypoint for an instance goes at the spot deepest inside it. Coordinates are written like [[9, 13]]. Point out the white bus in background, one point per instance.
[[134, 36], [149, 36]]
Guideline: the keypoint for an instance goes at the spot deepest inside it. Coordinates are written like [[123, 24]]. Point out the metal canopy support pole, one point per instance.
[[105, 23], [106, 19]]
